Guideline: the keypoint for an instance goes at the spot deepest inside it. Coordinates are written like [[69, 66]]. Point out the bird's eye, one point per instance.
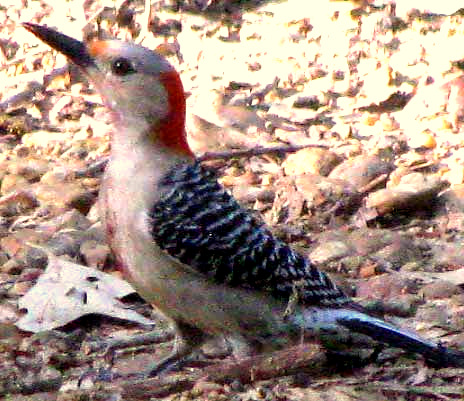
[[122, 66]]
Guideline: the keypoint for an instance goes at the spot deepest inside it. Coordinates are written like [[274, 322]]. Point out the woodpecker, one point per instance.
[[184, 242]]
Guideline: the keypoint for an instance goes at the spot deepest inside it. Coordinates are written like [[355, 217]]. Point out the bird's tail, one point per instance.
[[379, 330]]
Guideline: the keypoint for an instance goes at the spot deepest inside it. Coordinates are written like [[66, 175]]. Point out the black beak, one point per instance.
[[75, 50]]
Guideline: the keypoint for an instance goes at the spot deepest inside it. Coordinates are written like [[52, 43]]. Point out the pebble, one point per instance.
[[361, 170], [71, 219], [12, 182], [12, 266], [31, 169], [206, 388], [36, 258], [20, 288], [66, 196], [386, 286], [311, 160], [329, 251], [414, 191], [440, 289], [66, 242], [95, 254], [424, 139]]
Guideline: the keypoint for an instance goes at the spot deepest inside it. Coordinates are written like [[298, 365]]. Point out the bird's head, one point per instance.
[[140, 86]]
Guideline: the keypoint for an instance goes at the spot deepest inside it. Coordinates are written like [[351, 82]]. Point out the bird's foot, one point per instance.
[[174, 363]]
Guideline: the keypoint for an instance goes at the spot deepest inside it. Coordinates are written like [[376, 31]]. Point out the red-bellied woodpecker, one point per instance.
[[183, 242]]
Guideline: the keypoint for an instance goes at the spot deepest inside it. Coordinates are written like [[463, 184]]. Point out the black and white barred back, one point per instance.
[[199, 223]]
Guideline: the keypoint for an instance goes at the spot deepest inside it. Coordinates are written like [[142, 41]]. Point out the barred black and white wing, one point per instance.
[[199, 223]]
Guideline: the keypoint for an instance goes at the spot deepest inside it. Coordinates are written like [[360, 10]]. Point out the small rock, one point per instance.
[[3, 257], [30, 274], [328, 251], [12, 182], [22, 151], [12, 246], [57, 175], [434, 315], [440, 289], [96, 233], [20, 288], [317, 191], [361, 170], [403, 306], [247, 194], [12, 266], [31, 169], [369, 119], [386, 286], [454, 198], [71, 219], [9, 334], [368, 270], [83, 200], [415, 190], [94, 214], [205, 388], [46, 140], [76, 151], [237, 386], [247, 178], [310, 160], [66, 196], [15, 244], [388, 123], [94, 253], [36, 258], [66, 242], [18, 203], [424, 139]]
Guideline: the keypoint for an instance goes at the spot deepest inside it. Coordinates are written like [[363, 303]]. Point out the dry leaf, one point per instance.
[[67, 291]]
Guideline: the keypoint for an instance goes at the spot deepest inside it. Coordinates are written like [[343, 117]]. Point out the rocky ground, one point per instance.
[[370, 100]]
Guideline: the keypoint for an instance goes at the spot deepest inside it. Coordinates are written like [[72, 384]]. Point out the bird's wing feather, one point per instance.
[[199, 223]]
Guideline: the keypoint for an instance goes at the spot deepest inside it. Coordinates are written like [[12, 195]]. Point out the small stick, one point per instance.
[[307, 357], [230, 154], [142, 339]]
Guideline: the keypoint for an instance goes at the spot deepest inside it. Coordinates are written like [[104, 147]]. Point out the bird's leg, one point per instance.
[[188, 340]]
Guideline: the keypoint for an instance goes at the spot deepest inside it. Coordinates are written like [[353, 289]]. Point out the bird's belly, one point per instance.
[[178, 291], [186, 296]]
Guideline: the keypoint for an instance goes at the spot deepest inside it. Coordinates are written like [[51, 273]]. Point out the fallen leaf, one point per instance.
[[67, 291]]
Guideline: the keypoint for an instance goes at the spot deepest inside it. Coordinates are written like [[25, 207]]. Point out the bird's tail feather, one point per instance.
[[379, 330], [356, 320]]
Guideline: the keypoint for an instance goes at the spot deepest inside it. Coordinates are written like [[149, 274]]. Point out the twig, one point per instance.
[[433, 393], [308, 358], [372, 184], [150, 388], [147, 17], [133, 341], [99, 166], [94, 169], [230, 154], [261, 94]]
